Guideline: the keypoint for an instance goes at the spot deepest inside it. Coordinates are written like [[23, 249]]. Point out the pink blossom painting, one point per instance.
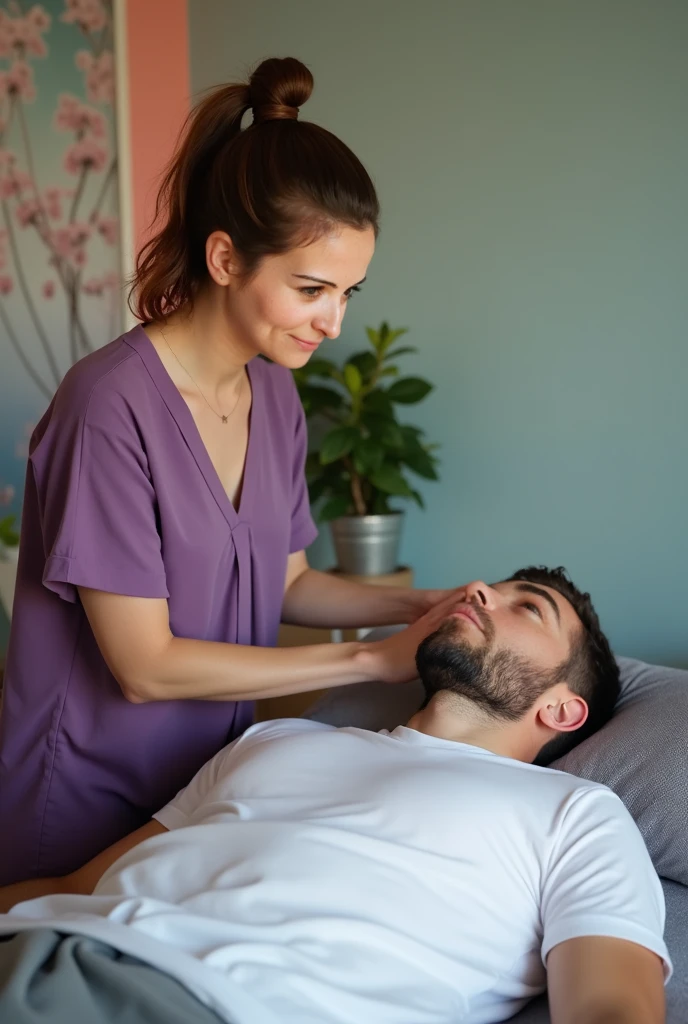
[[60, 286]]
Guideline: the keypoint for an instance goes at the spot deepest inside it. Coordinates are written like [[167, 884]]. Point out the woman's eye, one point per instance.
[[311, 293], [351, 291]]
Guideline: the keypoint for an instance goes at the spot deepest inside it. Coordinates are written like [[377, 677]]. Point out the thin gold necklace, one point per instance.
[[219, 415]]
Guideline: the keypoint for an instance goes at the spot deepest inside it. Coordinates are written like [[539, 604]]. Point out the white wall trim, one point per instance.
[[124, 161]]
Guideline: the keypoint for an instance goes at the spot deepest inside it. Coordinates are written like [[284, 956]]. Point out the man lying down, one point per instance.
[[432, 874]]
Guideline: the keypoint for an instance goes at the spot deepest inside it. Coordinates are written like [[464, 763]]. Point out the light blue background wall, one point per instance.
[[532, 161]]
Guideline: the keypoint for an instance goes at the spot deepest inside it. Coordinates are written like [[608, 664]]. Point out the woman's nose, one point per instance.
[[483, 595], [329, 322]]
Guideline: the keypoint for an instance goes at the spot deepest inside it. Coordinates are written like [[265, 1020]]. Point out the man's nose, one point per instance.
[[479, 592]]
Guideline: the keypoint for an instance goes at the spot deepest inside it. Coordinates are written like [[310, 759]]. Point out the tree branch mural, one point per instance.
[[54, 218]]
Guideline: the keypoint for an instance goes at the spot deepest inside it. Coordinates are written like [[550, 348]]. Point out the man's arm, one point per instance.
[[600, 980], [83, 881]]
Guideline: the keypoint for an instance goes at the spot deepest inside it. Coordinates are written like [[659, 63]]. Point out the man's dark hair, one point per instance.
[[591, 670]]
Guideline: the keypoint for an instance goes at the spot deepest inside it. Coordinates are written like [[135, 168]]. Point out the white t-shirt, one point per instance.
[[338, 876]]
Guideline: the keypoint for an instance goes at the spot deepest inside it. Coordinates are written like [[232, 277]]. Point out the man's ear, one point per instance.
[[562, 710]]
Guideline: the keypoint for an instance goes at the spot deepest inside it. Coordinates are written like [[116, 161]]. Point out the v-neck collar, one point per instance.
[[139, 340]]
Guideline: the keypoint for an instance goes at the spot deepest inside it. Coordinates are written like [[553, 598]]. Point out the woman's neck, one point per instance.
[[202, 343]]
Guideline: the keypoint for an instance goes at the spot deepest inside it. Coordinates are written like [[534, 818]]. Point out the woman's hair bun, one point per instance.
[[278, 87]]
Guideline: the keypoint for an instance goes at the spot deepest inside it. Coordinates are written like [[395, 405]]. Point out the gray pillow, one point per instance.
[[642, 753]]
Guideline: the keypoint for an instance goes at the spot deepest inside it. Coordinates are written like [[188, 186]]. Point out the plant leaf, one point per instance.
[[389, 479], [409, 390], [316, 489], [390, 336], [410, 433], [352, 378], [377, 401], [373, 338], [391, 436], [418, 498], [420, 462], [313, 463], [8, 535], [314, 399], [374, 423], [368, 456], [337, 443], [334, 508], [404, 350], [366, 363], [318, 368], [380, 506]]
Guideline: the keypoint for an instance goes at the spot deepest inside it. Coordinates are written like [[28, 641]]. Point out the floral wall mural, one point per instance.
[[60, 290]]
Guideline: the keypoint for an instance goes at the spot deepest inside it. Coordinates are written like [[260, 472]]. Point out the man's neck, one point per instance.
[[462, 722]]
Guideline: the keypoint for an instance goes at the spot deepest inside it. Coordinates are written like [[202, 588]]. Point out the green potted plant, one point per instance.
[[9, 539], [362, 453]]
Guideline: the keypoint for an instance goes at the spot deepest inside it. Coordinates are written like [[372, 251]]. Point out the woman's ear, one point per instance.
[[562, 712], [221, 258]]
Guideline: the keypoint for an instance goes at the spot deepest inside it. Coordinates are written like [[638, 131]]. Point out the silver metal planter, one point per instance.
[[367, 545]]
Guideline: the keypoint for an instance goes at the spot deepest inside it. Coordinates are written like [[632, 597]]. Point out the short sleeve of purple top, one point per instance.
[[121, 496]]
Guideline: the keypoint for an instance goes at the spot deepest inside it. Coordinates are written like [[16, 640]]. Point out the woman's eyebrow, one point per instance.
[[319, 280], [530, 588]]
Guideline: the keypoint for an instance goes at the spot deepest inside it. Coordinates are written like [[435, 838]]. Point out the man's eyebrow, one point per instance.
[[530, 588], [330, 284]]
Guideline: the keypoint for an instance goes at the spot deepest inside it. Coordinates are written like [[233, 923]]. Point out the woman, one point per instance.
[[166, 513]]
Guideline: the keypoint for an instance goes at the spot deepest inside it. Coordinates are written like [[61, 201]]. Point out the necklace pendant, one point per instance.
[[224, 419]]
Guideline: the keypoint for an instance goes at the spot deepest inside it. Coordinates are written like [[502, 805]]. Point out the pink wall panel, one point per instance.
[[158, 71]]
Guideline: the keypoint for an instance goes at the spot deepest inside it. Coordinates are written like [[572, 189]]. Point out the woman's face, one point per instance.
[[296, 300]]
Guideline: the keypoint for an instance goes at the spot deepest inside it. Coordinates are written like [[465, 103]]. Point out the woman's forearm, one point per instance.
[[205, 670], [150, 663], [323, 600]]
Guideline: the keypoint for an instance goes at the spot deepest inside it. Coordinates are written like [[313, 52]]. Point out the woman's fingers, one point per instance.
[[439, 612], [398, 652]]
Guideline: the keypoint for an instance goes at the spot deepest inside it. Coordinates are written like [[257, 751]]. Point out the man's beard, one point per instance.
[[499, 682]]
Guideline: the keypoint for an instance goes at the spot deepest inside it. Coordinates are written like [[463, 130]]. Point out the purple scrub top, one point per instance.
[[121, 496]]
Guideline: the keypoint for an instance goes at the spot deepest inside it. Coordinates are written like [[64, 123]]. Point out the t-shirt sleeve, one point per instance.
[[180, 811], [217, 783], [303, 529], [600, 879], [98, 504]]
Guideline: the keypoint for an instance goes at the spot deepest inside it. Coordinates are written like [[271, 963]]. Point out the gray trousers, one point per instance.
[[49, 978]]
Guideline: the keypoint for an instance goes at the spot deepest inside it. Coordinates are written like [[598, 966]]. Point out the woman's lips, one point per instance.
[[307, 346]]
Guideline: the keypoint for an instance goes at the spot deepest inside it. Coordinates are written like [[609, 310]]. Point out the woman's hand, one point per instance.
[[422, 601], [393, 660]]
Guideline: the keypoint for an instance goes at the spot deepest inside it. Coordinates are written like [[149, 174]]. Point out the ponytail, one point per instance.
[[164, 280]]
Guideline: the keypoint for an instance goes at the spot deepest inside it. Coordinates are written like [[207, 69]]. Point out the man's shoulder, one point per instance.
[[560, 795], [566, 785], [276, 727]]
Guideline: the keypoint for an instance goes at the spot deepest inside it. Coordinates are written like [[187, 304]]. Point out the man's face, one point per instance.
[[501, 648]]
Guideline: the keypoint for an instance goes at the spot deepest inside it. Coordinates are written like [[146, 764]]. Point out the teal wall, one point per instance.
[[532, 162]]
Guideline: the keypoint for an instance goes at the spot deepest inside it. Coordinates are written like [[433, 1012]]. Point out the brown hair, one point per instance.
[[274, 185]]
